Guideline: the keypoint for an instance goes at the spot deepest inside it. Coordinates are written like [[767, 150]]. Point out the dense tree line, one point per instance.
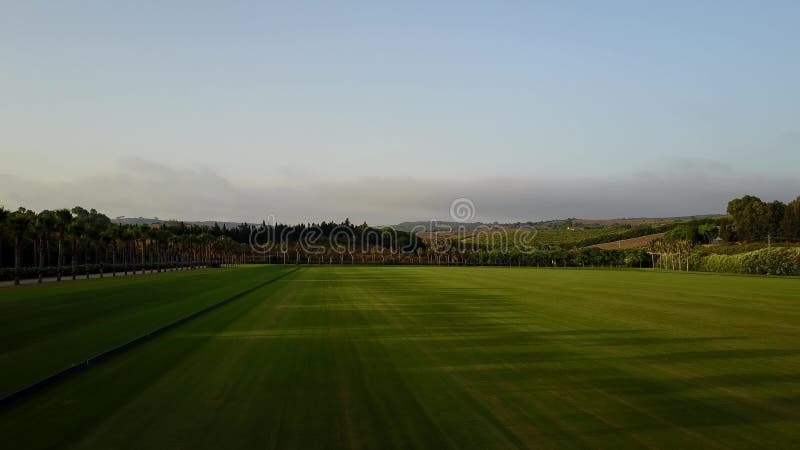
[[749, 220], [346, 235], [443, 253], [79, 242], [755, 220]]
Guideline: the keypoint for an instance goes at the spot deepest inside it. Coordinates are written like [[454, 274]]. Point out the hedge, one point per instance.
[[7, 273], [774, 261]]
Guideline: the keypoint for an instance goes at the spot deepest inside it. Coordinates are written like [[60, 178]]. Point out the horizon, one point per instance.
[[390, 113], [562, 219]]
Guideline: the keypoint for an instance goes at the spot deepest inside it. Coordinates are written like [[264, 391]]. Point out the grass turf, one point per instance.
[[383, 357], [46, 328]]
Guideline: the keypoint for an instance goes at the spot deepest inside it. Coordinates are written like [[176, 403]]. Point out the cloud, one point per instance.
[[137, 187]]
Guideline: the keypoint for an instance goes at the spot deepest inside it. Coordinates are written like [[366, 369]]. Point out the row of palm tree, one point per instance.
[[93, 236], [672, 255]]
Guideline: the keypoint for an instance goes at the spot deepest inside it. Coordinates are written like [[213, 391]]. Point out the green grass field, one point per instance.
[[410, 357], [46, 328]]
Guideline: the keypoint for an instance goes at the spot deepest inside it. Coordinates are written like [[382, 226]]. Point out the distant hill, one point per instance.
[[442, 226], [122, 220], [624, 244], [135, 221], [557, 224], [634, 232], [637, 221], [436, 225]]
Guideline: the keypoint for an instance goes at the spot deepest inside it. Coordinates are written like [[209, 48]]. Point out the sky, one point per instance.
[[389, 111]]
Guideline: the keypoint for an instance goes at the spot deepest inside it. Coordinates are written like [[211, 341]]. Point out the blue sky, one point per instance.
[[313, 110]]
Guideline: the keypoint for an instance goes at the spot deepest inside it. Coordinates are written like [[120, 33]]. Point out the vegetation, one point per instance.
[[426, 357], [543, 237], [43, 243], [768, 261], [737, 247], [627, 233], [749, 220], [562, 237], [97, 245], [631, 243], [755, 220]]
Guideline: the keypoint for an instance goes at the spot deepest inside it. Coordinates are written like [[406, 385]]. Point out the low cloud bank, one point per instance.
[[138, 187]]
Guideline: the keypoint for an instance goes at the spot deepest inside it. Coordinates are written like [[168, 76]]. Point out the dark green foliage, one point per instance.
[[708, 231], [774, 261], [683, 233], [750, 218], [775, 212], [87, 238], [790, 225], [726, 229], [754, 220]]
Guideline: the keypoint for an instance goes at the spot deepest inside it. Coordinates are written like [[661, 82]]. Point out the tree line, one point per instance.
[[77, 241], [749, 220], [755, 220]]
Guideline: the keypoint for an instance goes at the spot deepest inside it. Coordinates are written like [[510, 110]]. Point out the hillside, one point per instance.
[[622, 232], [625, 244], [556, 224], [122, 220]]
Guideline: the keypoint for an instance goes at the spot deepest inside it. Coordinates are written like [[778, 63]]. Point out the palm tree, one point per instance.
[[75, 230], [42, 225], [20, 224], [224, 246], [174, 247], [162, 246], [143, 232], [129, 238], [113, 235], [3, 222], [684, 247], [103, 239], [206, 240], [4, 213], [139, 238], [63, 218], [191, 249], [89, 239]]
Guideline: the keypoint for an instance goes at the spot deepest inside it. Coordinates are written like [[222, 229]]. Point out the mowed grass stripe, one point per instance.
[[420, 357], [581, 325], [180, 379], [45, 328], [108, 353]]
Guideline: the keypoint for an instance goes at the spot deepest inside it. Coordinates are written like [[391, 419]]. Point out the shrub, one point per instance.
[[774, 261], [7, 273]]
